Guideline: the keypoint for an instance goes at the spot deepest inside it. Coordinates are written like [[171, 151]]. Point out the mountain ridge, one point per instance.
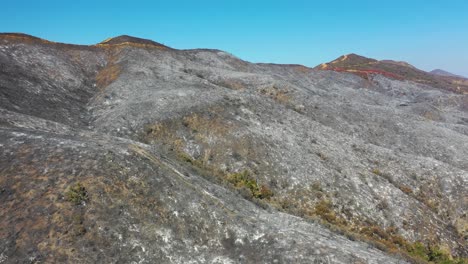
[[366, 67]]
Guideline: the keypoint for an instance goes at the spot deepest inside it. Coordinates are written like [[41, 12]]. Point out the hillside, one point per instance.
[[366, 68], [129, 151]]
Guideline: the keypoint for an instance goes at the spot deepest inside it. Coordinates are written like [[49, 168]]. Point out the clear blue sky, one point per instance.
[[429, 34]]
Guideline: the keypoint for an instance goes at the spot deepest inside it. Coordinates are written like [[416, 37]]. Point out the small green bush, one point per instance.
[[377, 172], [76, 194], [185, 157], [243, 179]]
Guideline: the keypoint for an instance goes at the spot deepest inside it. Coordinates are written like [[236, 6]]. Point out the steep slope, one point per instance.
[[47, 80], [366, 68], [183, 156]]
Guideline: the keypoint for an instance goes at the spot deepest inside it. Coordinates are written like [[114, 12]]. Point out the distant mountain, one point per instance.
[[445, 73], [367, 67]]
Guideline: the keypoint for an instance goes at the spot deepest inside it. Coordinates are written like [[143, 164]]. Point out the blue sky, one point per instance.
[[428, 34]]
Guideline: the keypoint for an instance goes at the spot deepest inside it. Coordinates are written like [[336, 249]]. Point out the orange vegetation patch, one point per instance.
[[108, 75]]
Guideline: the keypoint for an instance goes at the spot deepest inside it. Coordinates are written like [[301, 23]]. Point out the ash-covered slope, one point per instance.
[[135, 152]]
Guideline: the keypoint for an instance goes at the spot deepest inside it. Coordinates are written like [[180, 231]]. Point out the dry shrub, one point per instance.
[[231, 84], [205, 125], [280, 96], [407, 190]]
